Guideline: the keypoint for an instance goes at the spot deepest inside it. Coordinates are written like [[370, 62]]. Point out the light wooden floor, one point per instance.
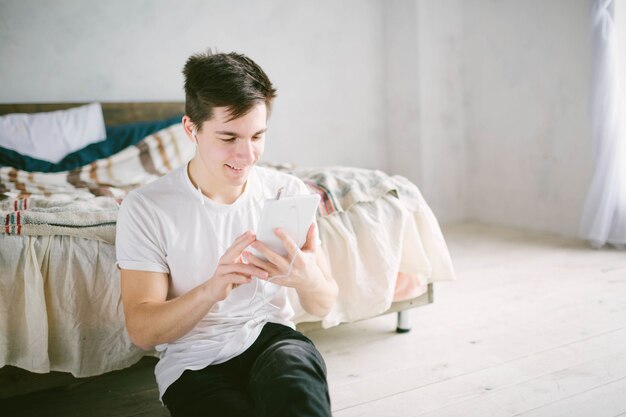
[[534, 326]]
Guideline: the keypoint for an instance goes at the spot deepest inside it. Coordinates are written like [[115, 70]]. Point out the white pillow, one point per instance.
[[52, 135]]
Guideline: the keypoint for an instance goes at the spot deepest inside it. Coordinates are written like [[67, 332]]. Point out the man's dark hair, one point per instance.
[[224, 80]]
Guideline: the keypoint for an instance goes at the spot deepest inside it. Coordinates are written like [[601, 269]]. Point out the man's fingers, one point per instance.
[[245, 269], [234, 251], [287, 241], [256, 261], [271, 256], [237, 279]]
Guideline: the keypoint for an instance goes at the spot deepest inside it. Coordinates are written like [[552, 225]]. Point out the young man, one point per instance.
[[219, 316]]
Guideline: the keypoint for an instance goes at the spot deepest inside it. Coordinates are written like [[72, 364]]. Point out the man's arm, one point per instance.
[[319, 301], [151, 319]]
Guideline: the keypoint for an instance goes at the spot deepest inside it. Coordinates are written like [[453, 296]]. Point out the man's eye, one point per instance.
[[257, 137], [228, 140]]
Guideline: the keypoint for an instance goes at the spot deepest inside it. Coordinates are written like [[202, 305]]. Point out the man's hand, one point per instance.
[[231, 272], [305, 274], [309, 273]]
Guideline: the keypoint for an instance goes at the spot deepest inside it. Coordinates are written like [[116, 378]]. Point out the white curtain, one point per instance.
[[604, 214]]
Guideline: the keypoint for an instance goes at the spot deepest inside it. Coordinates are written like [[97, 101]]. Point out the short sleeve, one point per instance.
[[137, 242]]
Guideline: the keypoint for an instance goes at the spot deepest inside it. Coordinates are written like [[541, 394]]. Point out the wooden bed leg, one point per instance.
[[404, 324]]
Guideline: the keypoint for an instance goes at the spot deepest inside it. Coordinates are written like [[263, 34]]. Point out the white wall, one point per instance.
[[527, 79], [496, 129], [442, 123], [403, 119], [324, 57], [425, 130]]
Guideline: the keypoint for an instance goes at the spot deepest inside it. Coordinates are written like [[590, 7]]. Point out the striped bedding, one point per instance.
[[112, 177]]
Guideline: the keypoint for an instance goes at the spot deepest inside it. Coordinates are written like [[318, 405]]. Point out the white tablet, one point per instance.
[[293, 215]]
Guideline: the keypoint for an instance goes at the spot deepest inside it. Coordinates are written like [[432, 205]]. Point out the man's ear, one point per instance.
[[190, 129]]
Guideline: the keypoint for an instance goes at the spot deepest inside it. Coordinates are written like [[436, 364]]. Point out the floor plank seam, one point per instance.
[[571, 396]]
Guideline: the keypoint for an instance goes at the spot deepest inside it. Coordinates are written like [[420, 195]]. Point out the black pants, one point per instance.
[[281, 374]]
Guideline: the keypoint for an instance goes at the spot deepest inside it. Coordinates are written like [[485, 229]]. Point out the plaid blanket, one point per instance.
[[84, 202], [342, 187]]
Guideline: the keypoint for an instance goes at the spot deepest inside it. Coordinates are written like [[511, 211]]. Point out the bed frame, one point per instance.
[[114, 113], [15, 381]]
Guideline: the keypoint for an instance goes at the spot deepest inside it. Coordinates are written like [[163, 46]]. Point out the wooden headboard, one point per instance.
[[114, 113]]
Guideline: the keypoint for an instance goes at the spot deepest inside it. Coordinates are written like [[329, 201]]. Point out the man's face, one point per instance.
[[229, 150]]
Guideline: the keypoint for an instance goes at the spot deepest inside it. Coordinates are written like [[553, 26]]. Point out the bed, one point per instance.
[[60, 308]]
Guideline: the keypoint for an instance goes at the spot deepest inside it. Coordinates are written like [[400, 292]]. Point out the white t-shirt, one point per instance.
[[168, 226]]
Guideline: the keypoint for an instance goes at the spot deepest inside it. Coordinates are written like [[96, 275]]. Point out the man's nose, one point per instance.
[[245, 150]]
